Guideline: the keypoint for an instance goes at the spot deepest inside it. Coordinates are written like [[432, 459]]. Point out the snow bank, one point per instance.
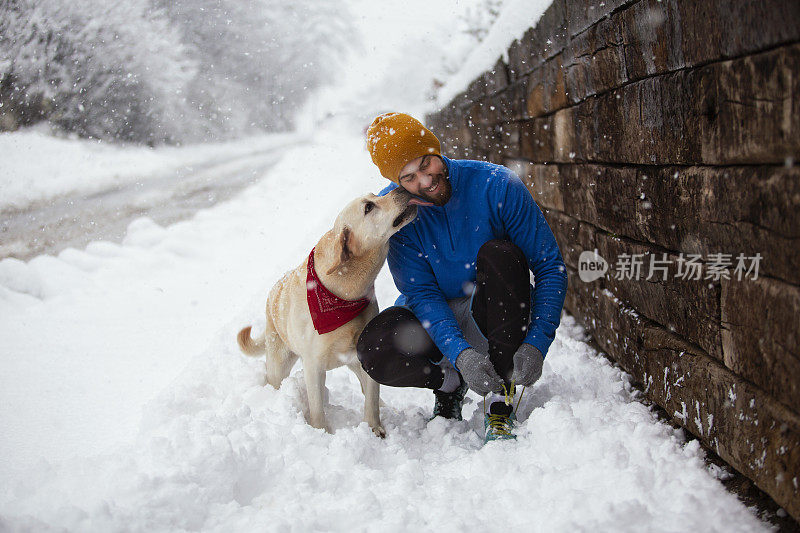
[[514, 20], [36, 167], [91, 336]]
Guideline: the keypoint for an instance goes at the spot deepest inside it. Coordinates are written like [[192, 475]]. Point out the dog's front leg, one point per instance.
[[372, 399], [315, 389]]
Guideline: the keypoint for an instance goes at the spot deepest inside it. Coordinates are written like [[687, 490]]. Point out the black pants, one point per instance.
[[396, 350]]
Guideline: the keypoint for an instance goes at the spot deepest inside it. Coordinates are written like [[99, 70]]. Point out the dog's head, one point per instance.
[[367, 222]]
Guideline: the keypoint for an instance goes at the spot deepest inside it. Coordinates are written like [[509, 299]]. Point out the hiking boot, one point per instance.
[[448, 404], [499, 422]]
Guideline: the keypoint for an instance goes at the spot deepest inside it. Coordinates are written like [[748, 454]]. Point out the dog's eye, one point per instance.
[[368, 207]]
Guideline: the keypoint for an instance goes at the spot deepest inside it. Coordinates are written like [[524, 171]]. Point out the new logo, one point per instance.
[[591, 266]]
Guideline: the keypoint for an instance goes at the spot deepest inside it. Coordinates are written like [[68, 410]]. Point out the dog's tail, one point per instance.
[[250, 346]]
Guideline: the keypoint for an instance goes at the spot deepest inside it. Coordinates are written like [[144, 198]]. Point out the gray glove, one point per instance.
[[478, 371], [528, 363]]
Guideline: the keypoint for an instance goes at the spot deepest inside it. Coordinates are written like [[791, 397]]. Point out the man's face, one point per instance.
[[426, 177]]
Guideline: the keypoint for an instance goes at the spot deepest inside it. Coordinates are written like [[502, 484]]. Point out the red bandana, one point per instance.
[[328, 311]]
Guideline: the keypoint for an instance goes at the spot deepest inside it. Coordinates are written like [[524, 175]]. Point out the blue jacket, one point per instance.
[[433, 258]]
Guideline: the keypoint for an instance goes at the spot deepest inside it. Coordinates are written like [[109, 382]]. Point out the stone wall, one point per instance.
[[669, 130]]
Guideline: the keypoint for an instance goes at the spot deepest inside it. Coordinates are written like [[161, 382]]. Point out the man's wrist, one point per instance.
[[455, 351], [528, 348], [535, 341], [455, 361]]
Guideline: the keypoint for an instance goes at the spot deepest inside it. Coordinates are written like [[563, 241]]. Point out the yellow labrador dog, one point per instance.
[[318, 310]]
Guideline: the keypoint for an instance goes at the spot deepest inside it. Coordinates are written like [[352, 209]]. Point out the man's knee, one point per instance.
[[376, 345], [371, 339]]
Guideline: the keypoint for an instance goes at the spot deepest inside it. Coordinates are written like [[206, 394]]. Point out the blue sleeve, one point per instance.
[[527, 228], [414, 277], [386, 190]]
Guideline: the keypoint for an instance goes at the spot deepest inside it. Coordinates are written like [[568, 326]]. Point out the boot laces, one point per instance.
[[502, 424]]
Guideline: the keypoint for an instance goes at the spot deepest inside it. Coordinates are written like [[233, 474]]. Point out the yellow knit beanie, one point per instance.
[[394, 139]]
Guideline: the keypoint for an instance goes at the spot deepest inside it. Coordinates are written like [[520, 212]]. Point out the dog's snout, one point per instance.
[[401, 195]]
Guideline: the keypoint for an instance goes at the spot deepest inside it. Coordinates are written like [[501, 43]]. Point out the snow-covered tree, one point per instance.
[[257, 59], [105, 70], [164, 70], [477, 19]]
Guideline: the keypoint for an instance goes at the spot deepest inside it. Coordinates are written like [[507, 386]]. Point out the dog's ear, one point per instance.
[[346, 246]]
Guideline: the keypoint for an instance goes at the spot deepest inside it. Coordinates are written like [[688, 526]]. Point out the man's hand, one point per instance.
[[528, 363], [478, 371]]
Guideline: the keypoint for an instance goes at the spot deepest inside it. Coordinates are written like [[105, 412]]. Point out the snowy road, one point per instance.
[[126, 405], [76, 219]]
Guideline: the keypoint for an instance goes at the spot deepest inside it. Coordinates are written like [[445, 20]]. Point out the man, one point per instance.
[[467, 315]]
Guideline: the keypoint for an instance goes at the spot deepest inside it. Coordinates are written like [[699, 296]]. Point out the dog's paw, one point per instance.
[[379, 431]]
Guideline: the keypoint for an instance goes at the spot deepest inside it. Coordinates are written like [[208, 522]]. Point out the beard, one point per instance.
[[442, 194]]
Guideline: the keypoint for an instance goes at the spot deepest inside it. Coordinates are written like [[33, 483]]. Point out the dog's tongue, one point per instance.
[[417, 201]]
